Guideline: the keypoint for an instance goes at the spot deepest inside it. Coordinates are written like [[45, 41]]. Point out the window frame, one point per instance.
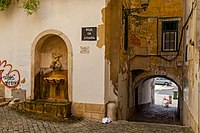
[[175, 40]]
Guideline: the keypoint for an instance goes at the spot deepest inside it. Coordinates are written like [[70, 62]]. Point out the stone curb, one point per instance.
[[164, 125], [4, 104]]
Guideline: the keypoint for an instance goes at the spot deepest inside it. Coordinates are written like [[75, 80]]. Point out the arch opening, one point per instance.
[[51, 74], [156, 99], [51, 77], [52, 58]]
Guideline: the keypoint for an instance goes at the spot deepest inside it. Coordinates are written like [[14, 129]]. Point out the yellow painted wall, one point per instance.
[[145, 27], [145, 40], [161, 8]]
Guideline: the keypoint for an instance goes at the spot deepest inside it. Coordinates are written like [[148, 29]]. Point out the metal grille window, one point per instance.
[[169, 35]]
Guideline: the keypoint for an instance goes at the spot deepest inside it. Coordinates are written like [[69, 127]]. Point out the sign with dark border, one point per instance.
[[89, 33]]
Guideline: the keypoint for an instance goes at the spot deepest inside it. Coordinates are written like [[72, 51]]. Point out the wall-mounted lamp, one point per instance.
[[191, 42], [127, 12], [144, 5]]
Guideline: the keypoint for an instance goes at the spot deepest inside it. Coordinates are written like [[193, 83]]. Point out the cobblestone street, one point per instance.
[[13, 121], [157, 113]]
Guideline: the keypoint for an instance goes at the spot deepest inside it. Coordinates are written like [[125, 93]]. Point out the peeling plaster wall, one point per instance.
[[117, 77], [145, 43], [145, 38], [113, 41], [143, 48], [191, 67], [162, 8], [198, 46], [67, 16], [113, 36]]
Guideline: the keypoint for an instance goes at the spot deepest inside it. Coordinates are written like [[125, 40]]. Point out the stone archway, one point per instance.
[[44, 45], [144, 76]]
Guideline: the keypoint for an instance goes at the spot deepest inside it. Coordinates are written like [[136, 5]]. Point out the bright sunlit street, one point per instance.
[[164, 91]]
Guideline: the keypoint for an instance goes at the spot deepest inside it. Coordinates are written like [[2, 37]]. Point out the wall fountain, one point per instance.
[[51, 79]]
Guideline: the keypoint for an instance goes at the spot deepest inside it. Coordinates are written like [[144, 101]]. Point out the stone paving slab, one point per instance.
[[3, 104], [2, 99], [14, 121], [158, 114]]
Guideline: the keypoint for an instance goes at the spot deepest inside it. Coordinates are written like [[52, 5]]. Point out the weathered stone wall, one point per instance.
[[145, 28], [115, 82], [146, 59], [162, 8], [198, 46], [191, 65], [144, 40], [93, 111], [188, 118]]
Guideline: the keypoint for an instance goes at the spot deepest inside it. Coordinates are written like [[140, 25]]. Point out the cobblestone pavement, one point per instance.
[[158, 114], [13, 121]]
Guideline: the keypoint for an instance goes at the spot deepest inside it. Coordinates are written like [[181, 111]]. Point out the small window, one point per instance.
[[169, 36]]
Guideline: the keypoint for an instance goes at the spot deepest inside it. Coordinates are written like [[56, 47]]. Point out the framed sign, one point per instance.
[[84, 49], [89, 33]]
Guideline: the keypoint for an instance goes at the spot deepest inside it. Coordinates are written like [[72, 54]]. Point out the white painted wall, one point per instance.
[[144, 92], [17, 32]]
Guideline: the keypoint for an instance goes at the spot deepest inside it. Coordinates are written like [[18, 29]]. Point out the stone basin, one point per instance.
[[53, 108], [55, 77], [54, 85], [55, 80]]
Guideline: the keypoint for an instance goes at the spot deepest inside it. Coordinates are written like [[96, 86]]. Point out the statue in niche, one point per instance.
[[56, 64]]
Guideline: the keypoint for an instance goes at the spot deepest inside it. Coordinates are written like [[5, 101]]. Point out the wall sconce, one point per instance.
[[191, 42], [127, 12], [144, 5]]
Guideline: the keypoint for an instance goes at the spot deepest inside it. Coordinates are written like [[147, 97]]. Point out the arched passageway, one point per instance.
[[156, 101]]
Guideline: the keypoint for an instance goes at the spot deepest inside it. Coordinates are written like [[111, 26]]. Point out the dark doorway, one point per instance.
[[136, 99]]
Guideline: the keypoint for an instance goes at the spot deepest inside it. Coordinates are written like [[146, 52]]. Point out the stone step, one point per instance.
[[2, 104], [2, 99], [169, 127], [56, 108]]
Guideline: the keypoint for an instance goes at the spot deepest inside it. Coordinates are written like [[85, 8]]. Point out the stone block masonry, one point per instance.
[[93, 111]]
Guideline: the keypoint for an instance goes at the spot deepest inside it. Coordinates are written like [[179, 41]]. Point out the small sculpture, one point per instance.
[[56, 64]]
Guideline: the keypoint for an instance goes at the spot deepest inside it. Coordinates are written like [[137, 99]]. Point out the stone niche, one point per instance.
[[51, 93], [51, 81]]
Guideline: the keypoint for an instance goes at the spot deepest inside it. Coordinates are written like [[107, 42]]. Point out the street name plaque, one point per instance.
[[89, 33]]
